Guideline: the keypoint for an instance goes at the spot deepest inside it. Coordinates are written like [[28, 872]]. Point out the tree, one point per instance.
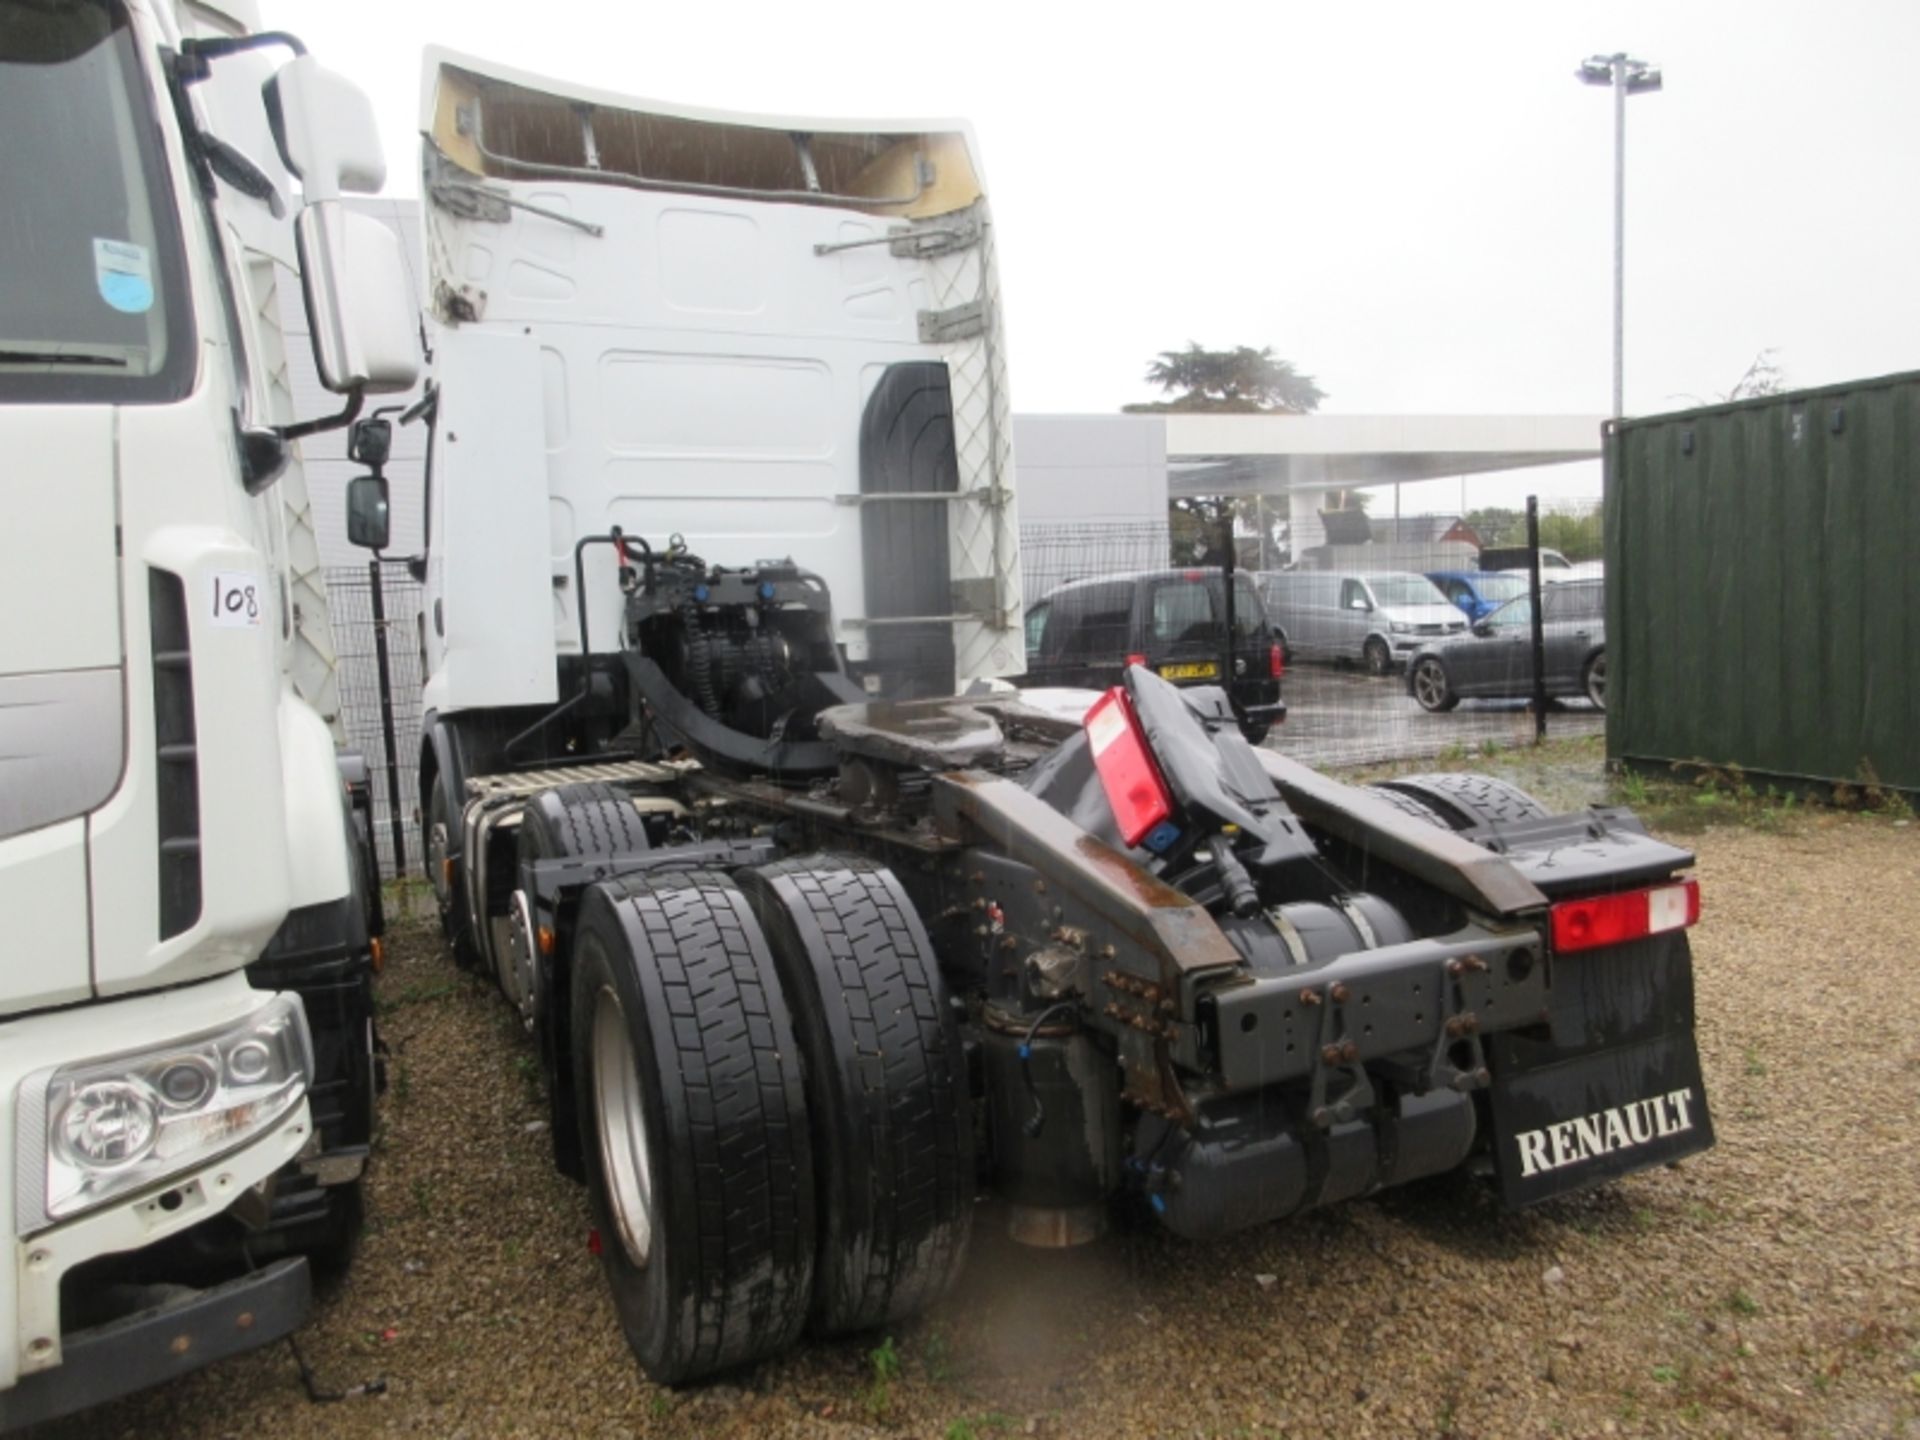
[[1237, 381], [1576, 536], [1241, 381], [1497, 525], [1764, 377]]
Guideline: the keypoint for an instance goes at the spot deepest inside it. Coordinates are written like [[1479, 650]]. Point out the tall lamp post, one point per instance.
[[1626, 76]]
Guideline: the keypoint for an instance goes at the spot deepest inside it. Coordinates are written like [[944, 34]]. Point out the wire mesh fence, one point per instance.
[[1394, 649], [1419, 642], [1054, 553], [376, 611]]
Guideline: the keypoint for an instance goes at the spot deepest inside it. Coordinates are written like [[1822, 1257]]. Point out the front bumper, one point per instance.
[[32, 1341], [1405, 646], [163, 1342]]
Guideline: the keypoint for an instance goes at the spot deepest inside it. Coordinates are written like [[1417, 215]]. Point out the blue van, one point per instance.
[[1479, 592]]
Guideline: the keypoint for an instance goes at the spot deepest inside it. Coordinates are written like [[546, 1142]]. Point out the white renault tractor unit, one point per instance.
[[817, 940], [187, 1065]]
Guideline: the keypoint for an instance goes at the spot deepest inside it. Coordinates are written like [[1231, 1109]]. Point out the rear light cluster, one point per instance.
[[1276, 662], [1633, 915], [1135, 788]]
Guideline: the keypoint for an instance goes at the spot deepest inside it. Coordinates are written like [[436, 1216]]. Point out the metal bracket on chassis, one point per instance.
[[553, 884], [1381, 1007]]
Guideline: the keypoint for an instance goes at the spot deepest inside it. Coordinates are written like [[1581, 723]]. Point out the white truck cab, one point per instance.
[[172, 810]]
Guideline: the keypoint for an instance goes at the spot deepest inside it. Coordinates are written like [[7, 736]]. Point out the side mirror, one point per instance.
[[370, 441], [1359, 602], [323, 125], [1483, 627], [356, 290], [368, 515]]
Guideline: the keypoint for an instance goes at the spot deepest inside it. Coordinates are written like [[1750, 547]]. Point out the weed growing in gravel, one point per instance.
[[418, 993], [973, 1427], [1631, 787], [528, 1069], [877, 1396], [936, 1356], [1756, 1067], [423, 1199]]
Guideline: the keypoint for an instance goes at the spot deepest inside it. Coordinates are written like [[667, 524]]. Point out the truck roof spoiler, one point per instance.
[[508, 124]]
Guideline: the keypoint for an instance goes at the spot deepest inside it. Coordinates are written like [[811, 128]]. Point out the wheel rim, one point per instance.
[[437, 855], [619, 1119], [1597, 681], [1430, 685], [519, 963]]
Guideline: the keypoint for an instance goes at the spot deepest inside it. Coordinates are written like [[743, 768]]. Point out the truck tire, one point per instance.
[[587, 818], [1467, 801], [693, 1123], [435, 848], [886, 1086], [1375, 658], [1407, 804]]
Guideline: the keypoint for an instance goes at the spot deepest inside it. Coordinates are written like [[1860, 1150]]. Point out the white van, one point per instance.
[[1375, 620]]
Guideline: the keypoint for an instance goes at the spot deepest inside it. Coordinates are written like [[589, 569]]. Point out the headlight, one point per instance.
[[1400, 627], [116, 1126]]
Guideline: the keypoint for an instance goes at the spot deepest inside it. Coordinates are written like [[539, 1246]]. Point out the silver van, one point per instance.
[[1374, 619]]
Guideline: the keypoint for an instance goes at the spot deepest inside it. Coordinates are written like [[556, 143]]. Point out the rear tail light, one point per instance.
[[1136, 659], [1139, 797], [1276, 662], [1615, 919]]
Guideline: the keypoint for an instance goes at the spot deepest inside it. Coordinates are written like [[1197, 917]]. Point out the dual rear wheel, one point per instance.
[[772, 1106]]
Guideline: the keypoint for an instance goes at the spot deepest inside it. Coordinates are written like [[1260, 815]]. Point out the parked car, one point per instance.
[[1555, 568], [1087, 632], [1375, 620], [1478, 592], [1495, 660]]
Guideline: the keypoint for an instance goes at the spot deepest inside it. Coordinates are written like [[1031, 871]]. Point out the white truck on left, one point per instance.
[[187, 1066]]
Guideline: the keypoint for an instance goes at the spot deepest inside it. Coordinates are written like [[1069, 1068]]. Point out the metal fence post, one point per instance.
[[1539, 620], [1227, 569], [386, 718]]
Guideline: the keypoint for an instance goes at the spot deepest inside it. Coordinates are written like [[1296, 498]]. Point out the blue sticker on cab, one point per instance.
[[124, 273]]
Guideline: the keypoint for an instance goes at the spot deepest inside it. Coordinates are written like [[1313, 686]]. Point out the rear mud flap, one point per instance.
[[1615, 1088]]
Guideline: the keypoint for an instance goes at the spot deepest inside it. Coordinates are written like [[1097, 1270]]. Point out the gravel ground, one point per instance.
[[1770, 1287]]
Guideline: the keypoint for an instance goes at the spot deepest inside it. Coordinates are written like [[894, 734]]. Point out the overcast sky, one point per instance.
[[1411, 202]]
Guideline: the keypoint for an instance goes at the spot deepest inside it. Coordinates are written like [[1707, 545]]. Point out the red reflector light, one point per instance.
[[1276, 662], [1615, 919], [1193, 575], [1127, 770], [1136, 659]]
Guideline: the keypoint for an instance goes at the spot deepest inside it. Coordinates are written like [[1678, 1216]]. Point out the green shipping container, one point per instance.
[[1763, 585]]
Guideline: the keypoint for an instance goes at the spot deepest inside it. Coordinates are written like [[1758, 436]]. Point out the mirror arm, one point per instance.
[[304, 428], [194, 61], [425, 405]]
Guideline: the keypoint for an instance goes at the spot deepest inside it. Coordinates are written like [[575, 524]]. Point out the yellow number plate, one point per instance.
[[1205, 670]]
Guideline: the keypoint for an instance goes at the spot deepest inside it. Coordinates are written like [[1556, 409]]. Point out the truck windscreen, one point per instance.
[[94, 304]]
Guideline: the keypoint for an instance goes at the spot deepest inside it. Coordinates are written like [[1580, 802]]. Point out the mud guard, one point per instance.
[[1614, 1087]]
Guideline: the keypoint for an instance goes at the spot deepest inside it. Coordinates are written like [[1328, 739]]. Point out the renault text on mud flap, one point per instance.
[[1620, 1127]]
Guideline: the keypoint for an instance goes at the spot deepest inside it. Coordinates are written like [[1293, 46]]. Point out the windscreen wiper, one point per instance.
[[60, 357]]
